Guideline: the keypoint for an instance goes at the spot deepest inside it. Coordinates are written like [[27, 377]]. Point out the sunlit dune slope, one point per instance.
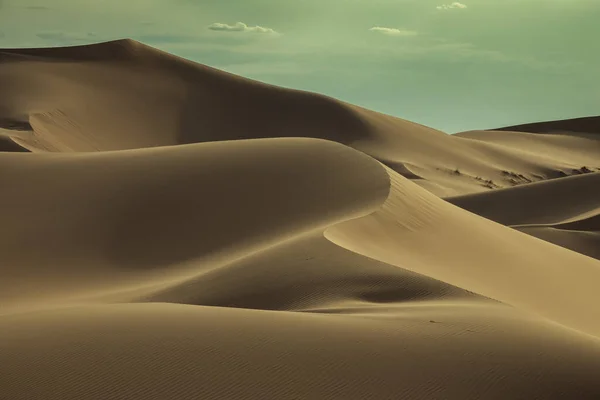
[[422, 233]]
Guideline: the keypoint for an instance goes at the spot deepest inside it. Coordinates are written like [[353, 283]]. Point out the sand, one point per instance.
[[171, 231], [574, 125]]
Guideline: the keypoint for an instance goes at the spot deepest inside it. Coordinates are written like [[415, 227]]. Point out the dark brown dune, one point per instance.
[[6, 144], [576, 125]]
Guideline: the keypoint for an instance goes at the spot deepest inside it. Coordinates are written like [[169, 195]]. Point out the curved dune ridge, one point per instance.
[[171, 231]]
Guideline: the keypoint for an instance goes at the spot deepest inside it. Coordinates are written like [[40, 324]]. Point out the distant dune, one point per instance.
[[172, 231], [575, 125]]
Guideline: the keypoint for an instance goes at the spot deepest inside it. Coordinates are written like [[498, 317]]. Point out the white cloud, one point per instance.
[[239, 27], [455, 4], [393, 31]]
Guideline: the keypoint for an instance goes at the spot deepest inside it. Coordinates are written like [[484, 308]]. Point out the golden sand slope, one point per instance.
[[288, 267], [166, 351]]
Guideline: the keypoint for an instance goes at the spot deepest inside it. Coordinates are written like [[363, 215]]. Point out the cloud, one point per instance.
[[239, 27], [455, 4], [393, 31]]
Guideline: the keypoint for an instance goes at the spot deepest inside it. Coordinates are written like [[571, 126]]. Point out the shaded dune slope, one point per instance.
[[581, 125], [11, 128], [7, 145]]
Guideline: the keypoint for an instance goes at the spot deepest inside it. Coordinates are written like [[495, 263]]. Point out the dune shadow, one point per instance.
[[219, 106], [15, 125]]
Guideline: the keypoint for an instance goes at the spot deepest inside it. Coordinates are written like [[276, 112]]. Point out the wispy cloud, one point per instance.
[[455, 4], [239, 27], [393, 31]]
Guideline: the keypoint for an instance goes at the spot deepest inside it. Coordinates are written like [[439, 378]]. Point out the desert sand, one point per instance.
[[172, 231]]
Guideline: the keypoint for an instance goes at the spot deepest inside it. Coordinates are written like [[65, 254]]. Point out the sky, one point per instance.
[[454, 66]]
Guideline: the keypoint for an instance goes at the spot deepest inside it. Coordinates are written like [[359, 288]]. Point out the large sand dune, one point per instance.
[[177, 232], [125, 95]]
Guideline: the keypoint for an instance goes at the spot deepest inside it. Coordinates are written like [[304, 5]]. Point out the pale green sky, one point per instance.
[[452, 66]]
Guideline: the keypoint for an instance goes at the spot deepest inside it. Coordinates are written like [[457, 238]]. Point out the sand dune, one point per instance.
[[178, 351], [562, 211], [178, 232], [137, 212], [12, 129], [581, 125], [6, 144], [567, 199], [99, 97], [420, 232]]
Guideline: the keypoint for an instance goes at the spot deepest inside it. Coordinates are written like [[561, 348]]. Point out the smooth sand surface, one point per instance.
[[171, 231]]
